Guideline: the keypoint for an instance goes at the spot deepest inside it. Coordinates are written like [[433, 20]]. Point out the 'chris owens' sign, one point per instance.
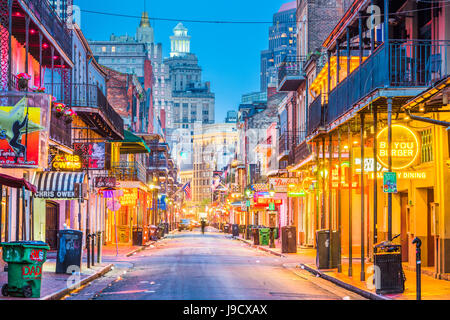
[[56, 194], [405, 147]]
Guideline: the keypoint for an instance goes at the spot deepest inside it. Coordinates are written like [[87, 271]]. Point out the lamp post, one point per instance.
[[248, 194], [272, 227]]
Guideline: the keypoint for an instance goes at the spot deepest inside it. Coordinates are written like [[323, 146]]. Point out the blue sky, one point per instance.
[[228, 54]]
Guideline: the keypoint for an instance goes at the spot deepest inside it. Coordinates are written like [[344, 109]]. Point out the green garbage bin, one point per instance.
[[264, 235], [25, 260]]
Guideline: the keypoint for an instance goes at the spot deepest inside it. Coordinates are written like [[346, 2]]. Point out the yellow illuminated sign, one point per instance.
[[129, 197], [405, 147], [67, 162]]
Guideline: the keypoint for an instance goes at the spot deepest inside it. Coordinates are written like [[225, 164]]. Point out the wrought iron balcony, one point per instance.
[[316, 115], [403, 64], [287, 141], [60, 130], [86, 97], [129, 171], [290, 73], [51, 21]]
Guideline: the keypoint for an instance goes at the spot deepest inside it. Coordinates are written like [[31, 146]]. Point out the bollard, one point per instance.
[[93, 249], [418, 243], [99, 247], [88, 250], [272, 238]]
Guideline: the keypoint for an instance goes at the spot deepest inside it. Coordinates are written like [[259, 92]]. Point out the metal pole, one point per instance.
[[339, 216], [1, 212], [375, 176], [53, 68], [350, 202], [348, 51], [27, 41], [317, 187], [363, 276], [338, 62], [322, 220], [389, 166], [372, 33], [361, 45], [418, 243], [40, 59], [330, 199], [10, 4], [17, 213]]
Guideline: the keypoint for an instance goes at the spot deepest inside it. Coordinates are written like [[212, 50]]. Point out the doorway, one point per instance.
[[51, 224], [403, 225]]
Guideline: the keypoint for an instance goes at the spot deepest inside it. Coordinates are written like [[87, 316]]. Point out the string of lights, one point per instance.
[[447, 3]]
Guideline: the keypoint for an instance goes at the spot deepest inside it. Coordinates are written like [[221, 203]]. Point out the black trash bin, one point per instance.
[[322, 248], [226, 228], [235, 230], [137, 236], [288, 239], [255, 234], [69, 251], [389, 275]]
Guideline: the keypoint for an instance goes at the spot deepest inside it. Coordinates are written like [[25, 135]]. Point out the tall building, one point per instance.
[[63, 8], [282, 43], [214, 146], [192, 100], [128, 54], [231, 117]]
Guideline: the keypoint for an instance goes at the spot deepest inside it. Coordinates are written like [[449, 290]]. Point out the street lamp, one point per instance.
[[248, 194], [272, 227]]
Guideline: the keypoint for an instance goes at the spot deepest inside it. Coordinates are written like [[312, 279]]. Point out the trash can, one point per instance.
[[69, 251], [137, 236], [389, 275], [322, 248], [166, 228], [242, 228], [235, 230], [288, 239], [161, 229], [264, 235], [25, 260], [226, 228], [255, 233], [153, 232]]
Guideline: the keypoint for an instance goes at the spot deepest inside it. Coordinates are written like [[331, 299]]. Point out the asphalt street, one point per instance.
[[191, 266]]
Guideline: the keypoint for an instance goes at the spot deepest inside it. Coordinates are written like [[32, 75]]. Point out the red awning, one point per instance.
[[16, 182]]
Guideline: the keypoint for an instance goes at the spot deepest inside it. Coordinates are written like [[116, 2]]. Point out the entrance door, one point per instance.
[[403, 226], [51, 224]]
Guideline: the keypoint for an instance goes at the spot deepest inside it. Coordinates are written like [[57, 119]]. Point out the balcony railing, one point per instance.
[[87, 95], [53, 24], [287, 141], [60, 130], [129, 171], [404, 64], [316, 115], [290, 73], [157, 163]]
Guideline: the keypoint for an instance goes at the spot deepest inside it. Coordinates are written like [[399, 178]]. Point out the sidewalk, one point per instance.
[[55, 286], [432, 289]]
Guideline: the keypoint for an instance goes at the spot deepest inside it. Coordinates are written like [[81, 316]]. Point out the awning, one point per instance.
[[131, 144], [58, 185], [14, 182]]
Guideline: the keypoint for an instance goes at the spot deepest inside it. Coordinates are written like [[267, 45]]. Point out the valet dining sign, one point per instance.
[[405, 147]]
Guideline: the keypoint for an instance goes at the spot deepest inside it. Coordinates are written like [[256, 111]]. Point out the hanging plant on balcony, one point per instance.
[[69, 114], [22, 81], [39, 89], [60, 109]]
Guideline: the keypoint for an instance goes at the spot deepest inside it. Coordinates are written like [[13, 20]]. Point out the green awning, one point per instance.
[[131, 144]]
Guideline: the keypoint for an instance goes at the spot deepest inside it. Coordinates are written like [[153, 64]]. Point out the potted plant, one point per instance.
[[69, 114], [22, 82], [39, 89], [60, 109]]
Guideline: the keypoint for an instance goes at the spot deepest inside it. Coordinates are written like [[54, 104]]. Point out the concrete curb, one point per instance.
[[349, 287], [63, 292], [260, 247], [140, 249]]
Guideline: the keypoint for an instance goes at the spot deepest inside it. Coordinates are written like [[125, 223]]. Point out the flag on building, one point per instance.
[[187, 190]]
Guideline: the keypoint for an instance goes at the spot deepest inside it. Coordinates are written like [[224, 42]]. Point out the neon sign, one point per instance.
[[405, 147]]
